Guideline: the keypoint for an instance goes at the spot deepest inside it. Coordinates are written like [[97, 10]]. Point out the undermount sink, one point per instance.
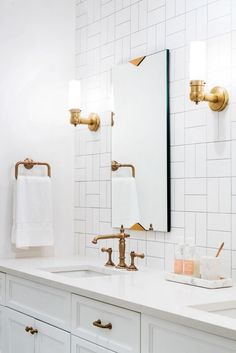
[[80, 271], [227, 308]]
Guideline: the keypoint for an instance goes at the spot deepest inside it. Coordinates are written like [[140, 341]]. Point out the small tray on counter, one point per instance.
[[199, 282]]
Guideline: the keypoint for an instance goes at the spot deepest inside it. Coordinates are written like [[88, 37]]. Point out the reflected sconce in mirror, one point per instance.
[[93, 120], [218, 97]]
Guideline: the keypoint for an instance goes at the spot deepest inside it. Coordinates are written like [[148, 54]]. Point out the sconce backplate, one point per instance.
[[94, 122], [223, 98]]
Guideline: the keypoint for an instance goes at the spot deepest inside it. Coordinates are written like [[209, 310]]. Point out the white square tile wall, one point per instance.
[[203, 143]]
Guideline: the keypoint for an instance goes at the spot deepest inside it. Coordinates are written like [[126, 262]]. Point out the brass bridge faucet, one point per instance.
[[121, 236]]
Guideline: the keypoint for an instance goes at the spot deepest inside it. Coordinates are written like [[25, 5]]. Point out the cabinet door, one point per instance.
[[2, 334], [50, 339], [17, 339], [159, 336], [79, 345]]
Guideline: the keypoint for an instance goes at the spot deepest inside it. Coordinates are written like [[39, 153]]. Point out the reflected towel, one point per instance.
[[32, 212], [125, 208]]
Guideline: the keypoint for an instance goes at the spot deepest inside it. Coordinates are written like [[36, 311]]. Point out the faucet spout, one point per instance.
[[121, 236], [102, 237]]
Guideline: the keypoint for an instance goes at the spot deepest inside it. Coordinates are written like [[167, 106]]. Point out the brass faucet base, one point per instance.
[[132, 268], [124, 267]]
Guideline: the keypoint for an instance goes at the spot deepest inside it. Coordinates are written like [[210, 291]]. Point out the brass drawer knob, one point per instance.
[[33, 331], [28, 328], [98, 323]]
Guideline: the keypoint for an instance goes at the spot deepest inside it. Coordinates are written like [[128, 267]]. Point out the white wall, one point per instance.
[[36, 62], [203, 143]]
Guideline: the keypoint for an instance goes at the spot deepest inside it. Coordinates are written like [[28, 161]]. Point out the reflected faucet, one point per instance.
[[121, 236]]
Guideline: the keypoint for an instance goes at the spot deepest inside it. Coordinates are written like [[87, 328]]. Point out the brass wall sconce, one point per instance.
[[218, 97], [93, 120]]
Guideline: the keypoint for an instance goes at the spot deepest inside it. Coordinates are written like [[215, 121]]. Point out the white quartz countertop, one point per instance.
[[145, 291]]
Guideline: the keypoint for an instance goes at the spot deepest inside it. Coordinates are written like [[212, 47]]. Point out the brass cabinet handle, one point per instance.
[[28, 328], [98, 323], [33, 331]]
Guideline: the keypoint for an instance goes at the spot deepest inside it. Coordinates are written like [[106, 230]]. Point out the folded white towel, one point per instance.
[[32, 213], [125, 208]]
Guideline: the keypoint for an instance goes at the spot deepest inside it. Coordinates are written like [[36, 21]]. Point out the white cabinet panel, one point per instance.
[[18, 340], [124, 337], [50, 339], [2, 330], [79, 345], [2, 288], [42, 302], [160, 336]]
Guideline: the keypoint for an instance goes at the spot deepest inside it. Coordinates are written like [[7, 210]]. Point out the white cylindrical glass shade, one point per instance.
[[74, 97], [197, 61]]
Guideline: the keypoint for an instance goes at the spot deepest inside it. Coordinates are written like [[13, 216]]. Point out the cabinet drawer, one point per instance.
[[42, 302], [2, 288], [166, 337], [79, 345], [123, 337]]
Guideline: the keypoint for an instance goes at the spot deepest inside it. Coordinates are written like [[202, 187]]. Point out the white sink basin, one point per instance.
[[81, 271], [227, 308]]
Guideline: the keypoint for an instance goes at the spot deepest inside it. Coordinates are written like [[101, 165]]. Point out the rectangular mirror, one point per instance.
[[140, 144]]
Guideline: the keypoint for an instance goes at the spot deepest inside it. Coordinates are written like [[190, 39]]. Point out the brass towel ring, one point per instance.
[[29, 164], [115, 166]]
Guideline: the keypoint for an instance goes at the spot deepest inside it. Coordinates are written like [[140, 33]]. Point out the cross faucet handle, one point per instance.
[[109, 261], [132, 266]]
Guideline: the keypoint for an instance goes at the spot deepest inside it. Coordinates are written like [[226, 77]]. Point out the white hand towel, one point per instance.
[[33, 212], [125, 208]]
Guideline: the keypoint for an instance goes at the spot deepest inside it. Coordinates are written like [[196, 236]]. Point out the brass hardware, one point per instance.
[[33, 331], [28, 328], [151, 227], [132, 266], [115, 166], [218, 97], [112, 118], [29, 164], [109, 261], [121, 236], [137, 61], [93, 121], [98, 323], [137, 226]]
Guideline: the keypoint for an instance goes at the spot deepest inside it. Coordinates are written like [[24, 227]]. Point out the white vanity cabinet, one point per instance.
[[48, 339], [2, 327], [2, 288], [106, 325], [159, 336], [79, 345]]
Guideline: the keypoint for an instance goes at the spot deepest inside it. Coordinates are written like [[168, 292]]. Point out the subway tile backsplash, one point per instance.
[[203, 143]]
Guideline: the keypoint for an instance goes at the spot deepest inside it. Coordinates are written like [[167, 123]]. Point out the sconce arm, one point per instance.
[[93, 120], [218, 97]]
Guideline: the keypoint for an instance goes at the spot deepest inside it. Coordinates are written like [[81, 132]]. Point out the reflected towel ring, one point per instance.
[[115, 166]]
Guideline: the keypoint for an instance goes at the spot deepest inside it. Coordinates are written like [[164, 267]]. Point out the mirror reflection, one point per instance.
[[140, 144]]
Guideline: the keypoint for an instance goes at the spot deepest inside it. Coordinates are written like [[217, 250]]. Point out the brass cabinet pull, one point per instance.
[[28, 328], [33, 331], [99, 324]]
